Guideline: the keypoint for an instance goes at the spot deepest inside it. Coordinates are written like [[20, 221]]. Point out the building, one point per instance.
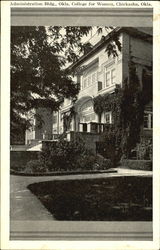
[[98, 74]]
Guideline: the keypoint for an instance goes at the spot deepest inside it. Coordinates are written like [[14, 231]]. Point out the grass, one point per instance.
[[108, 199]]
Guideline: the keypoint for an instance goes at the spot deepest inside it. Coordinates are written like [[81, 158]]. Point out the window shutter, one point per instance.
[[99, 86]]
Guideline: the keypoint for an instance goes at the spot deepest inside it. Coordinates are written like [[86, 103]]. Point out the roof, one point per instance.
[[130, 30]]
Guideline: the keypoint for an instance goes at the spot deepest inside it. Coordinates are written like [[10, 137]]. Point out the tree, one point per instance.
[[38, 74], [127, 105]]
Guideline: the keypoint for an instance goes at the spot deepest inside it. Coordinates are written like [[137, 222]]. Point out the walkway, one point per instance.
[[26, 206]]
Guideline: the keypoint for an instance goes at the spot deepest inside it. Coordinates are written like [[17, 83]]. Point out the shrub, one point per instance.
[[86, 162], [144, 149], [108, 150], [137, 164], [103, 162], [64, 155], [34, 166], [19, 159]]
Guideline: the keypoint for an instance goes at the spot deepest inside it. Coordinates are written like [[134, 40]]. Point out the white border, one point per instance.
[[5, 95]]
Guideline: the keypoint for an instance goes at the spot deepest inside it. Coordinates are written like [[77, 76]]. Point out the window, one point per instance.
[[84, 83], [54, 119], [99, 86], [107, 79], [89, 117], [108, 118], [89, 80], [110, 77], [113, 76], [147, 120], [94, 78]]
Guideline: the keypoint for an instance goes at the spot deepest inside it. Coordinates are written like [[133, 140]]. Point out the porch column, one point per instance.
[[80, 127], [89, 127], [72, 125], [76, 123]]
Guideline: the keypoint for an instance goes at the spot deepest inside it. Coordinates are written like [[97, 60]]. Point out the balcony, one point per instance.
[[93, 127]]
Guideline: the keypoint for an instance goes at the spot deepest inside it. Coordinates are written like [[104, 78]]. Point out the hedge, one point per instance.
[[19, 159], [137, 164]]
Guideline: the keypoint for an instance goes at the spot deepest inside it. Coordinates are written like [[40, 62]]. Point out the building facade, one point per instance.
[[98, 74]]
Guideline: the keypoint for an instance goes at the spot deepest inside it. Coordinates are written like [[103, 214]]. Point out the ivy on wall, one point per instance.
[[127, 105], [108, 102]]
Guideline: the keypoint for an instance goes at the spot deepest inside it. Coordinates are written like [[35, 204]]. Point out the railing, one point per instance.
[[47, 136], [50, 136], [96, 127], [93, 127], [55, 136]]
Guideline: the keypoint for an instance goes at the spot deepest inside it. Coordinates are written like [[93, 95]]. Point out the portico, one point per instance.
[[84, 114]]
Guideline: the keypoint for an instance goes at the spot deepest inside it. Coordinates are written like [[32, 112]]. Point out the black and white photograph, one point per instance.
[[81, 131], [81, 109]]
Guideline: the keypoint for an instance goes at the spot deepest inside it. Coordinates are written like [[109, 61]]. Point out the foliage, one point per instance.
[[109, 148], [111, 137], [38, 74], [73, 155], [132, 112], [144, 149], [19, 159], [102, 163], [108, 102], [45, 165], [137, 164], [86, 162], [34, 166], [62, 154], [127, 107]]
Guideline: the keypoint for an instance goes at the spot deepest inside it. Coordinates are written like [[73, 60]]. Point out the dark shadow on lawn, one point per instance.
[[108, 199]]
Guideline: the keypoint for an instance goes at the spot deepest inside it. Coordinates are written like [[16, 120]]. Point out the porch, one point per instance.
[[91, 127], [84, 127], [94, 127]]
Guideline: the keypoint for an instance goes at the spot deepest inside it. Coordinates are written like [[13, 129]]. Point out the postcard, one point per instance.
[[80, 125]]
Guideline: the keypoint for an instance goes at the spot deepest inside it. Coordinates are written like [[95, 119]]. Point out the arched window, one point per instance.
[[87, 106], [87, 113]]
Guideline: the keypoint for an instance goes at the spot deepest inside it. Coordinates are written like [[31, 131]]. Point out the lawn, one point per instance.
[[107, 199]]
